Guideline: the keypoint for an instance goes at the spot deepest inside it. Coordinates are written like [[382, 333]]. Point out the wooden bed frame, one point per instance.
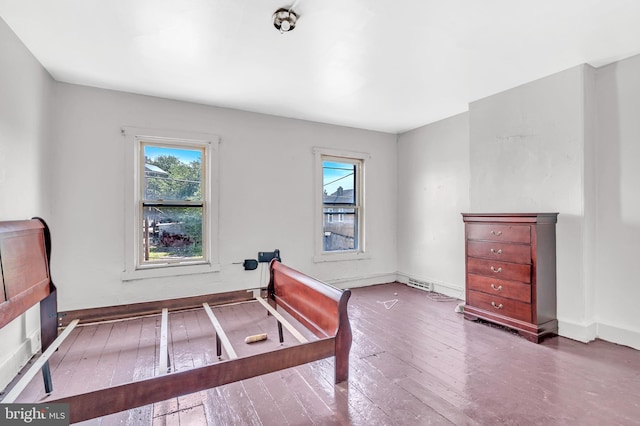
[[322, 309]]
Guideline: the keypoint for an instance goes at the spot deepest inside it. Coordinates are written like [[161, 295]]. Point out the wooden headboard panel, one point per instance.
[[24, 273], [314, 303], [320, 307]]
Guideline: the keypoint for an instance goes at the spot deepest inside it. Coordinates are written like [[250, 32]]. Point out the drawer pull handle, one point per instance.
[[496, 270], [496, 306], [496, 233], [494, 251], [499, 288]]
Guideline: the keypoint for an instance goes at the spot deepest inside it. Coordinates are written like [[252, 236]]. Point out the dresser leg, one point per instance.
[[535, 338], [470, 317], [532, 337]]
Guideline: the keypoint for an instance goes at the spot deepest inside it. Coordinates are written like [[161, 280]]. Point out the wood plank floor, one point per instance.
[[415, 362]]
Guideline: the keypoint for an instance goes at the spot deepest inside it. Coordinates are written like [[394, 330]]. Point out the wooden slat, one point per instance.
[[283, 320], [112, 400], [35, 368], [35, 390], [164, 351], [221, 334]]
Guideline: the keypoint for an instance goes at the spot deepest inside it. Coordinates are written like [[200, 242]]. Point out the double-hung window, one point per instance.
[[340, 217], [172, 203], [172, 220]]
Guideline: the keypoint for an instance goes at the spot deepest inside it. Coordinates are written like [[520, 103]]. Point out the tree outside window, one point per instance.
[[172, 204]]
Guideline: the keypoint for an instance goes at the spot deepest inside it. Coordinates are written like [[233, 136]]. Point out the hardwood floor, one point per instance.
[[415, 363]]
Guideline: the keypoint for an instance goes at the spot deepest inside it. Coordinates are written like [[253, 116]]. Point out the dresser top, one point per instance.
[[511, 217]]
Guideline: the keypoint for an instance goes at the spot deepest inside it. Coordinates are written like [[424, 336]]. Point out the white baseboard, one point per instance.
[[13, 363], [363, 281], [594, 330], [584, 332], [619, 335]]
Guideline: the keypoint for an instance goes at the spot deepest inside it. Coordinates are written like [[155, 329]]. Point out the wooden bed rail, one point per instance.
[[147, 391]]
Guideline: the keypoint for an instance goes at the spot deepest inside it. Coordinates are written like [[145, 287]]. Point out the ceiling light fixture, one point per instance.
[[284, 20]]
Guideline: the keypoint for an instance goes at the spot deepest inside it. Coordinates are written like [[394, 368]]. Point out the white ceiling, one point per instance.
[[388, 65]]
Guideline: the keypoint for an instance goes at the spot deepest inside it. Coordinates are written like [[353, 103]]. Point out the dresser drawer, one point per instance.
[[516, 253], [515, 290], [499, 270], [500, 305], [507, 233]]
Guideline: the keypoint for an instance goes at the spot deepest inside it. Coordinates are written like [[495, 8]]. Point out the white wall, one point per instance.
[[433, 189], [266, 196], [567, 143], [527, 155], [618, 221], [25, 103]]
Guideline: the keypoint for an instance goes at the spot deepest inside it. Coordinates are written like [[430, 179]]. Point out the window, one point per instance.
[[172, 199], [340, 221], [171, 203]]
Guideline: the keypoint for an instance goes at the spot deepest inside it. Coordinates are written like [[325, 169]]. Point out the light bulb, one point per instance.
[[285, 25]]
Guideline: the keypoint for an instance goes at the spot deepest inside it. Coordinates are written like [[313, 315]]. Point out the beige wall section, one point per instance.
[[433, 189], [25, 105], [267, 196]]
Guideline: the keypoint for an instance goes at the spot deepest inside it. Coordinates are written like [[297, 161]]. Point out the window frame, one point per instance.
[[359, 159], [143, 201], [135, 138]]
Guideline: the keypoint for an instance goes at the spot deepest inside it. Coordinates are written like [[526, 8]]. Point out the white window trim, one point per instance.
[[361, 252], [133, 136]]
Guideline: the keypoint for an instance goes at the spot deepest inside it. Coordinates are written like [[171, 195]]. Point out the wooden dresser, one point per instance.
[[511, 271]]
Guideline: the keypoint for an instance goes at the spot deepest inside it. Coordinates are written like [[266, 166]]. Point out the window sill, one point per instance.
[[169, 271], [337, 257]]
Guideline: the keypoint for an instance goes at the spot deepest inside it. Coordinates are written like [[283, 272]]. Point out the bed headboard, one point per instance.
[[25, 276]]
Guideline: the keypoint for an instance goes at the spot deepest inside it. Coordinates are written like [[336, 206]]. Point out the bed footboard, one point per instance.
[[319, 306]]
